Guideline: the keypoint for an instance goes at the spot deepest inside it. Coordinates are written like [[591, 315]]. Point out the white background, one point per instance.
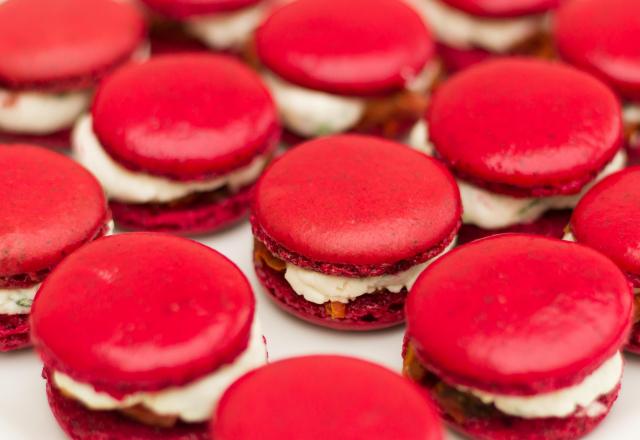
[[24, 413]]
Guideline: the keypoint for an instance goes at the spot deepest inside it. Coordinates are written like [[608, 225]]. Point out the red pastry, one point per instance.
[[154, 331], [524, 138], [297, 399], [50, 207], [606, 220], [601, 37], [518, 337], [331, 72], [225, 25], [178, 141], [52, 53], [470, 31], [343, 225]]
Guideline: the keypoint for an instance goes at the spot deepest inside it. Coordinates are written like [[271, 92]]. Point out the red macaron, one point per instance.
[[60, 47], [524, 132], [297, 398], [472, 31], [189, 133], [182, 9], [606, 220], [148, 313], [333, 49], [487, 335], [344, 209], [50, 207]]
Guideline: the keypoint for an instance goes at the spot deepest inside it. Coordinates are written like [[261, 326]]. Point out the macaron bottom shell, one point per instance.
[[81, 423], [190, 218], [60, 140], [368, 312], [14, 332]]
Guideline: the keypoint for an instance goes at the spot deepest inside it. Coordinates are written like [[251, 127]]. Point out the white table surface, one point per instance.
[[25, 415]]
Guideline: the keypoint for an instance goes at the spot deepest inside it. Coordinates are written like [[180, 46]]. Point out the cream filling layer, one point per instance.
[[40, 113], [319, 288], [136, 187], [192, 403], [631, 114], [461, 30], [490, 210], [18, 301], [229, 30], [580, 399], [312, 113]]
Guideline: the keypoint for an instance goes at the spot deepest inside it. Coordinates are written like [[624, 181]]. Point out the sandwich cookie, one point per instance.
[[471, 31], [606, 219], [140, 335], [50, 207], [518, 337], [225, 25], [354, 399], [331, 72], [344, 225], [601, 37], [178, 141], [525, 139], [52, 54]]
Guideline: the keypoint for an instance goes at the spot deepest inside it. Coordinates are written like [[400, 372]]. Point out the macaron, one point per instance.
[[524, 138], [178, 141], [472, 31], [297, 398], [52, 54], [343, 226], [331, 72], [224, 25], [606, 220], [519, 336], [50, 207], [140, 334], [600, 36]]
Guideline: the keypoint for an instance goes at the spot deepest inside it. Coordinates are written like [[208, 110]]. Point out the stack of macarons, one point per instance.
[[50, 207], [472, 31], [178, 141], [343, 226], [525, 139], [338, 66], [140, 334], [52, 54]]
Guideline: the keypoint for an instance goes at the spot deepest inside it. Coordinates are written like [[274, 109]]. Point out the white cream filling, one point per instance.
[[490, 210], [40, 113], [461, 30], [568, 236], [581, 399], [17, 301], [136, 187], [229, 30], [312, 113], [319, 288], [631, 114], [192, 403]]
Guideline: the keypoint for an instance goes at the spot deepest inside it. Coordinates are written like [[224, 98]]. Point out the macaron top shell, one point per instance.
[[606, 219], [141, 312], [601, 36], [525, 127], [332, 397], [519, 314], [355, 47], [183, 9], [503, 8], [186, 117], [50, 207], [357, 200], [65, 43]]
